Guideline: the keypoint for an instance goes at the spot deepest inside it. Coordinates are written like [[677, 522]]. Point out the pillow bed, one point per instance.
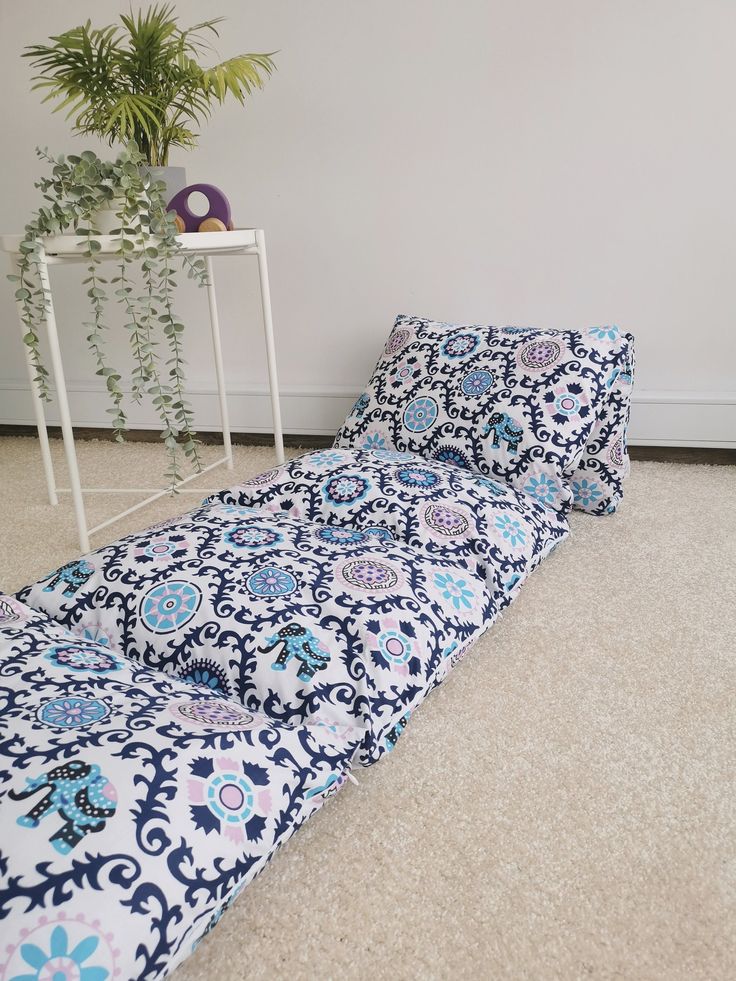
[[133, 807], [515, 403]]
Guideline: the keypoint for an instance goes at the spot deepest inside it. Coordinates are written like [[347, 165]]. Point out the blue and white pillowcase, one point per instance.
[[515, 403], [133, 807]]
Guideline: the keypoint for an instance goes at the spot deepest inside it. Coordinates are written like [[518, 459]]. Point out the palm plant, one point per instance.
[[142, 82]]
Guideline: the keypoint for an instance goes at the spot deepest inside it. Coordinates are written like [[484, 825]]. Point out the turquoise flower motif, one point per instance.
[[271, 581], [395, 455], [170, 605], [455, 590], [61, 963], [477, 382], [586, 492], [542, 487], [420, 414], [604, 333], [71, 712], [326, 458], [511, 529], [373, 441]]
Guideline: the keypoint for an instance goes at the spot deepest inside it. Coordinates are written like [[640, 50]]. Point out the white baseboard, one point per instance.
[[659, 418]]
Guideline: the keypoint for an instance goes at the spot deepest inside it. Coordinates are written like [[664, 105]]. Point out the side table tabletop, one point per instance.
[[67, 249]]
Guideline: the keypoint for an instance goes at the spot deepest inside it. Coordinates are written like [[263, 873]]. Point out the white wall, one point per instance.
[[528, 162]]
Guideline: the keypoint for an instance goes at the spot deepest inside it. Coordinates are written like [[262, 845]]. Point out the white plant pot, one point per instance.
[[106, 217], [175, 179]]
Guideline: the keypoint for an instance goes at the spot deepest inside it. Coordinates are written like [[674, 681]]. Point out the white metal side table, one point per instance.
[[64, 249]]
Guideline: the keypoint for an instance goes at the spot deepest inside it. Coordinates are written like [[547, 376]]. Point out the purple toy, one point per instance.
[[219, 206]]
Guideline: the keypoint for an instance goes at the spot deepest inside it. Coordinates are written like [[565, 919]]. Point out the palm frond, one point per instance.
[[142, 80]]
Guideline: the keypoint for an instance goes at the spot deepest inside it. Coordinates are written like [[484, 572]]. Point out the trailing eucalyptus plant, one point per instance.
[[146, 252]]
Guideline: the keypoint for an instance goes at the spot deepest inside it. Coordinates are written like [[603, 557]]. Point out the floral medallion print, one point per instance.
[[455, 589], [395, 646], [420, 414], [78, 657], [253, 537], [337, 535], [477, 382], [398, 339], [93, 633], [371, 575], [604, 333], [567, 403], [543, 488], [378, 534], [395, 456], [264, 478], [328, 458], [511, 529], [234, 511], [617, 453], [540, 354], [449, 454], [445, 521], [418, 477], [161, 549], [460, 345], [213, 713], [64, 950], [404, 372], [345, 489], [373, 441], [206, 673], [226, 797], [170, 606], [586, 492], [72, 712], [271, 581]]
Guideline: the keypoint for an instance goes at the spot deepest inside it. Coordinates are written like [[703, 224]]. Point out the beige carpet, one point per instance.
[[563, 807]]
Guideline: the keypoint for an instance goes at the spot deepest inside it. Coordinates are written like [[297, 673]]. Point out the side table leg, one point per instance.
[[66, 421], [219, 369], [273, 383], [38, 411]]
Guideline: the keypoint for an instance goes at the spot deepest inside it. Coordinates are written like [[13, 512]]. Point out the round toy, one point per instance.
[[218, 207], [179, 222]]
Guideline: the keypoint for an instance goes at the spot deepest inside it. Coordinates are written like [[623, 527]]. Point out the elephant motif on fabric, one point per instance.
[[505, 429], [73, 575], [78, 793], [296, 641]]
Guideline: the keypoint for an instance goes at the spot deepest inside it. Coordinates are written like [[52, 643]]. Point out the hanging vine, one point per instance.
[[79, 189]]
